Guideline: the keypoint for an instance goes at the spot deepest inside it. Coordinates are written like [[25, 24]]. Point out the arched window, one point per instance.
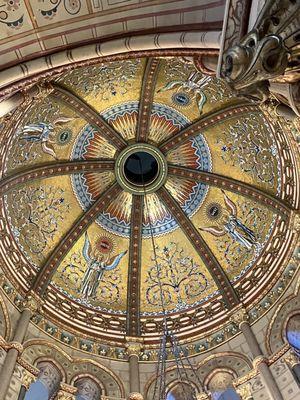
[[220, 386], [182, 391], [87, 389], [293, 337], [47, 383], [293, 332]]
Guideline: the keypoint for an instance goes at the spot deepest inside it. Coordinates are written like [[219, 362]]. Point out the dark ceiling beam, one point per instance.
[[54, 169], [206, 122], [146, 99], [229, 295], [231, 185], [67, 242], [134, 270], [90, 114]]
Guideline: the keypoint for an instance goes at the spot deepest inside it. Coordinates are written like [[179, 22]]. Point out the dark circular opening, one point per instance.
[[140, 168]]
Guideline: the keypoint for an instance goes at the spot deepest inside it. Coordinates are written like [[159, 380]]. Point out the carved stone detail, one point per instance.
[[134, 346], [292, 359], [245, 392], [135, 396], [239, 316], [27, 379]]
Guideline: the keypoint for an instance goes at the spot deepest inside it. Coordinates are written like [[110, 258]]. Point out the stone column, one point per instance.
[[134, 346], [10, 104], [16, 346], [259, 362], [88, 389]]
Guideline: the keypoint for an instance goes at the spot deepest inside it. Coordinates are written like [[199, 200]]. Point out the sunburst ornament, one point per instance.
[[105, 244]]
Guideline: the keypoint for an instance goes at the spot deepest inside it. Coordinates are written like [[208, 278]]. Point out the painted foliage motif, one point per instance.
[[249, 144], [36, 215], [105, 81], [179, 276]]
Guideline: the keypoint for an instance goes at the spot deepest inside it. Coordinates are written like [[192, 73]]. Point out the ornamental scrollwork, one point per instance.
[[178, 274]]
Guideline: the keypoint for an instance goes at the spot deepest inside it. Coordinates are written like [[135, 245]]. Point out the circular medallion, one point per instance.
[[104, 245], [141, 168], [64, 137], [214, 211], [181, 99]]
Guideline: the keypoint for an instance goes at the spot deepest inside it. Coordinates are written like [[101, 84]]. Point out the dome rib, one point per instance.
[[207, 121], [55, 169], [232, 185], [146, 99], [229, 295], [61, 250], [87, 111], [134, 267]]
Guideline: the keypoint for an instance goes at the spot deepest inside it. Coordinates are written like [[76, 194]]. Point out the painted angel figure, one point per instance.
[[234, 227], [40, 133], [195, 83], [95, 269]]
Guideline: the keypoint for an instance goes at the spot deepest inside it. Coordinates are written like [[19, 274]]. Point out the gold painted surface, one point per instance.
[[40, 214], [95, 270], [242, 148], [110, 85], [186, 91], [235, 228], [47, 134], [185, 279]]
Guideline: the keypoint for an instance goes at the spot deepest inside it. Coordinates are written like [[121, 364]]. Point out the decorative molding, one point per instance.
[[134, 345], [134, 272], [146, 99]]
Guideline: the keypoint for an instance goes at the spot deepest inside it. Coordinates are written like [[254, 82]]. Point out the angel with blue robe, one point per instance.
[[234, 227], [96, 268], [40, 133]]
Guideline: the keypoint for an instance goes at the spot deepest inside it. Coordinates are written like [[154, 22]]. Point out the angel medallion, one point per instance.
[[195, 84], [234, 227], [96, 266], [40, 133]]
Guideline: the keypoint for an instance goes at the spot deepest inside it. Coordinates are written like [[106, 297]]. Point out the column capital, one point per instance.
[[27, 378], [239, 315], [33, 302], [245, 392], [134, 345], [258, 361], [202, 396], [292, 359], [135, 396]]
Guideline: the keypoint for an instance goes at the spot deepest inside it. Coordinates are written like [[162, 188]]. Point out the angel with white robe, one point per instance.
[[195, 84], [96, 268], [234, 227], [40, 133]]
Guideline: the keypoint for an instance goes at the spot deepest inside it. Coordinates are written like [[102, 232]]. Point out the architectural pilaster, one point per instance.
[[134, 346], [241, 318], [30, 305]]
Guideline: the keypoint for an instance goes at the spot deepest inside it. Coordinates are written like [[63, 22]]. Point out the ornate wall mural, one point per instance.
[[84, 240]]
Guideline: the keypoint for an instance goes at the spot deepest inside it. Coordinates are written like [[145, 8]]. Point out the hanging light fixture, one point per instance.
[[168, 339]]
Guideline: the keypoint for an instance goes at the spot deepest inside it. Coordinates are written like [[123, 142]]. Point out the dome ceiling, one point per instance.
[[217, 207]]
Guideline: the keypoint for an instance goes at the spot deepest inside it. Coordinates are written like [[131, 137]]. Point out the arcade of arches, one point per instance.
[[149, 189]]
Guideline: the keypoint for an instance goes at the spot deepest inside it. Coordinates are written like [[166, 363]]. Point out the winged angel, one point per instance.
[[96, 268], [239, 232], [195, 84], [40, 133]]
